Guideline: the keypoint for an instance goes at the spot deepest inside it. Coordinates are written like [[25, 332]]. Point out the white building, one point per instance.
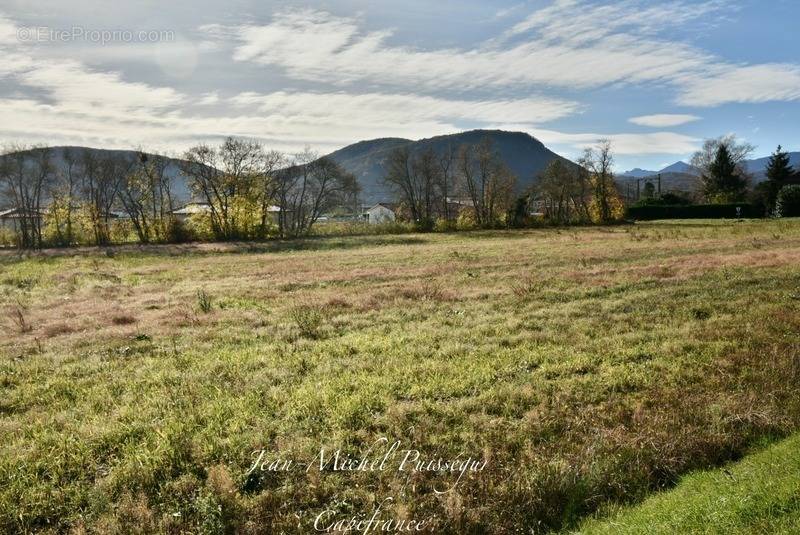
[[199, 208], [381, 213], [193, 208], [12, 219]]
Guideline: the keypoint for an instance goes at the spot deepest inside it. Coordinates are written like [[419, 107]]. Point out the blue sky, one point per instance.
[[654, 77]]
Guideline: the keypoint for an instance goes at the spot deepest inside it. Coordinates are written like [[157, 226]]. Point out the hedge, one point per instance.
[[694, 211]]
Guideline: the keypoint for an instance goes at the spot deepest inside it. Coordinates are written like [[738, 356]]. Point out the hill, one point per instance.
[[680, 168], [525, 155], [180, 189], [758, 167]]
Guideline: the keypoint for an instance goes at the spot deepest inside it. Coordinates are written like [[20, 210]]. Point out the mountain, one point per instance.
[[180, 189], [367, 161], [758, 167], [526, 156], [638, 173], [677, 167], [680, 167]]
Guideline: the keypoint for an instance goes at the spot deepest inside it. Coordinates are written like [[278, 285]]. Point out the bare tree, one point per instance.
[[447, 161], [428, 170], [64, 196], [103, 177], [402, 178], [225, 178], [598, 162], [267, 187], [309, 187], [416, 180], [146, 195], [26, 175], [487, 180], [565, 191]]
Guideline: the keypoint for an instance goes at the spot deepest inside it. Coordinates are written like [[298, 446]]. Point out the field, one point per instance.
[[582, 368]]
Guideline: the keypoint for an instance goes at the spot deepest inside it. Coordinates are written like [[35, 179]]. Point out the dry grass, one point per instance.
[[587, 366]]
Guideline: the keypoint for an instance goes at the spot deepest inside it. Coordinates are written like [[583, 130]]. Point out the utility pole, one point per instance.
[[659, 184]]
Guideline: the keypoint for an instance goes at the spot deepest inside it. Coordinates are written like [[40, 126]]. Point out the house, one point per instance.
[[381, 213], [184, 213], [11, 219], [273, 213], [188, 210]]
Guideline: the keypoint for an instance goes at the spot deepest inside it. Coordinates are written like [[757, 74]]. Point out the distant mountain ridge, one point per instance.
[[677, 167], [525, 155], [757, 167]]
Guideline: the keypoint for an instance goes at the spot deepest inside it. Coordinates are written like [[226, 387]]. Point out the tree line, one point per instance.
[[473, 182], [725, 178], [589, 192], [72, 196]]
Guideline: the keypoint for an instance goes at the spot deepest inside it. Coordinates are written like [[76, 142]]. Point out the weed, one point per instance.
[[526, 288], [16, 313], [204, 302]]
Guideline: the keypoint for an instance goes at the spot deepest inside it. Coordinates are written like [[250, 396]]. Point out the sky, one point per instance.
[[655, 78]]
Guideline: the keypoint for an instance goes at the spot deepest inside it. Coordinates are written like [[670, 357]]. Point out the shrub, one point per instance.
[[788, 204], [667, 199], [308, 320], [7, 238], [177, 232]]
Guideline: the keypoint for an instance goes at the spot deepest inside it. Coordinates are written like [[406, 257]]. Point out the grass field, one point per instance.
[[584, 367]]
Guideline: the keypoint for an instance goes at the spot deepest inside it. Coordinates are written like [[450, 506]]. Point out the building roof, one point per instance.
[[203, 208], [16, 213], [388, 205], [193, 208]]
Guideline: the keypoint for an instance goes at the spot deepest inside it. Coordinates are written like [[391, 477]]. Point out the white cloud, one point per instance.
[[754, 83], [72, 84], [209, 99], [625, 144], [285, 121], [380, 109], [663, 120], [503, 13], [317, 46], [570, 44], [8, 31]]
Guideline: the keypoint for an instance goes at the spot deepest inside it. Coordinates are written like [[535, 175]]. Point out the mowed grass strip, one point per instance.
[[588, 366], [760, 494]]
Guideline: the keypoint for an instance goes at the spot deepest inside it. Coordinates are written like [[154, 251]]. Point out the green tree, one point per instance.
[[788, 202], [724, 181], [723, 173], [779, 173]]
